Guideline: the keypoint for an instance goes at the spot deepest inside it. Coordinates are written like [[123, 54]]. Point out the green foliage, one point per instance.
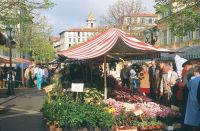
[[32, 32], [125, 119], [188, 21], [105, 119], [183, 21], [20, 11], [93, 96], [65, 111]]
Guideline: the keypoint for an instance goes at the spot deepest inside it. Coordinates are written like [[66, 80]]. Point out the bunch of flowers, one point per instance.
[[114, 106], [152, 109]]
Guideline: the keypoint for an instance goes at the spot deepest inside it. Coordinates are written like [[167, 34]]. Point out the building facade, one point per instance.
[[135, 24], [74, 36], [166, 37]]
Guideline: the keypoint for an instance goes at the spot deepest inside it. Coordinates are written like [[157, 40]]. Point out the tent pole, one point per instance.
[[105, 81]]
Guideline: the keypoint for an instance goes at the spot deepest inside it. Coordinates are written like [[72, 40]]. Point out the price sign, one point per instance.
[[48, 88], [138, 112], [77, 87]]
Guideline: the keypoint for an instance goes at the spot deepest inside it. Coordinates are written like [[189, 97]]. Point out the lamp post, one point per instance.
[[10, 34], [151, 35]]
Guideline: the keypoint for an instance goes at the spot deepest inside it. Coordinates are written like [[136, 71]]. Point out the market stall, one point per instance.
[[113, 43]]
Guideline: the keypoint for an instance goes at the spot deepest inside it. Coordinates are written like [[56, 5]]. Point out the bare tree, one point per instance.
[[115, 14]]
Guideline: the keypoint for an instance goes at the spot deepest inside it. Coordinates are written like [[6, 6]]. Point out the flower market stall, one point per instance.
[[113, 43], [90, 112]]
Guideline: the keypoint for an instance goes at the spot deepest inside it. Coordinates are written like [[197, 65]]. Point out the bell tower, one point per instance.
[[91, 21]]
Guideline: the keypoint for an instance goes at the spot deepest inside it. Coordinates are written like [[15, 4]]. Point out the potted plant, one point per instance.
[[105, 120], [169, 120], [125, 122]]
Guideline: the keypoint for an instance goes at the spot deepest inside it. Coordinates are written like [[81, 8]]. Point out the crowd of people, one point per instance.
[[37, 76], [162, 83], [34, 76]]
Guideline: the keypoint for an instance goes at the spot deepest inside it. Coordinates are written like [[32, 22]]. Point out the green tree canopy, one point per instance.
[[184, 15]]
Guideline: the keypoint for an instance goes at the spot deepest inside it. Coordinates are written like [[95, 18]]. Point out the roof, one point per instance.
[[55, 38], [142, 15], [84, 30], [113, 42], [90, 17]]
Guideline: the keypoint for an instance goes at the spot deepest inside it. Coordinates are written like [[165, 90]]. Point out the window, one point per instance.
[[74, 40], [135, 19], [150, 21], [128, 20], [172, 38], [165, 37], [78, 33], [189, 35], [78, 39], [142, 20], [180, 39], [70, 45], [198, 33], [70, 40]]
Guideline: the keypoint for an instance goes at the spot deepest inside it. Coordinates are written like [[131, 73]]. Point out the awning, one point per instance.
[[6, 60], [20, 60], [187, 52], [114, 43]]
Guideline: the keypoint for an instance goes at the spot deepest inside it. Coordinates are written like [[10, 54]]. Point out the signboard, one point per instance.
[[138, 112], [77, 87], [48, 88]]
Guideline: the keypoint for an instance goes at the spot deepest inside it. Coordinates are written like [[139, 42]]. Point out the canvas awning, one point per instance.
[[113, 42], [6, 60]]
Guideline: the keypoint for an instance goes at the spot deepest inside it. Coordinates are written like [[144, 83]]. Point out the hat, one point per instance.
[[189, 62]]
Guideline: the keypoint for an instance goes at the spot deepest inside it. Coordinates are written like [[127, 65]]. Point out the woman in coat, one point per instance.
[[144, 80]]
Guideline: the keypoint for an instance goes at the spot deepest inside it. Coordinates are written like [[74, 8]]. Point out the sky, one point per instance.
[[73, 13]]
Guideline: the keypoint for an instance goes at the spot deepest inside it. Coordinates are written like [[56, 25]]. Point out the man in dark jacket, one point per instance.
[[154, 79], [124, 74]]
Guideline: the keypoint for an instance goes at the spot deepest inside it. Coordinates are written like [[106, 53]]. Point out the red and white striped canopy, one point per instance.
[[113, 42]]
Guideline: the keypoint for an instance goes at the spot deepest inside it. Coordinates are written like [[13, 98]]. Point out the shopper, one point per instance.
[[133, 78], [192, 115], [124, 75], [39, 77], [154, 79], [144, 81], [169, 79]]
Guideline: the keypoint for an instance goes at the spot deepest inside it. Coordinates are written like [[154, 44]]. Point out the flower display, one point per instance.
[[150, 109]]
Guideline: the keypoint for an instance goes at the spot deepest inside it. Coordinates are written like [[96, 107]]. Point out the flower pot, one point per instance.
[[169, 128], [144, 128], [126, 128], [52, 128], [157, 126]]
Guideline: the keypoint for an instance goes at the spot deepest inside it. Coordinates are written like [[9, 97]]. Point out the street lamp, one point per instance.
[[10, 34], [151, 35]]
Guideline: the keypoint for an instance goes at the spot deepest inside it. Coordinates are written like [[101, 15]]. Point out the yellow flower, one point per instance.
[[111, 110]]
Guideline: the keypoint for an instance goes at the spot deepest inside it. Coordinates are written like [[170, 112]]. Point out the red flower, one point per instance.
[[128, 119]]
